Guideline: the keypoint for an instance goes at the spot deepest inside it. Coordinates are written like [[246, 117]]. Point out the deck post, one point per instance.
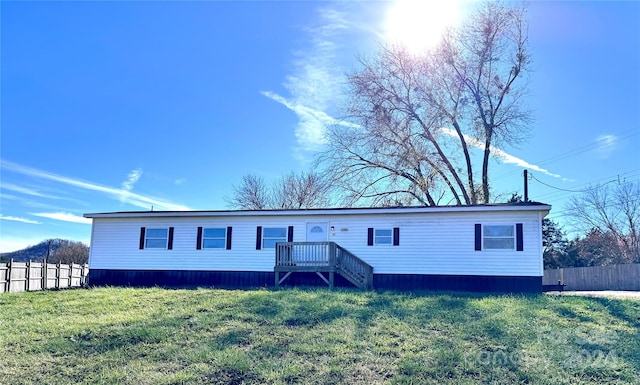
[[332, 254], [331, 279], [277, 279]]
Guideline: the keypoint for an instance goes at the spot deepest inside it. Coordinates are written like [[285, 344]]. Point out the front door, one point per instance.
[[317, 255], [317, 232]]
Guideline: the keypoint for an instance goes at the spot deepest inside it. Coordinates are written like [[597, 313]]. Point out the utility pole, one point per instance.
[[526, 185]]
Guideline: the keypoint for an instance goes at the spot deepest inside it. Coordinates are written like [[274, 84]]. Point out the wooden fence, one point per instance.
[[32, 276], [612, 277]]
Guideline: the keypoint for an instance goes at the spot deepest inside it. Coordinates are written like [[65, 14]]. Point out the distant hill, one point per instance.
[[34, 253]]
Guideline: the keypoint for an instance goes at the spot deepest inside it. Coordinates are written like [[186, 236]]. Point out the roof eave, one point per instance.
[[540, 207]]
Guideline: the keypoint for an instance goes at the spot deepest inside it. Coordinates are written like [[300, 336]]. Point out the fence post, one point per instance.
[[28, 276], [44, 274], [10, 274], [3, 277], [9, 265], [58, 275]]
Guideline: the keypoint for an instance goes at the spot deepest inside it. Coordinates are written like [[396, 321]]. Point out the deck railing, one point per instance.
[[354, 268], [322, 257], [305, 254]]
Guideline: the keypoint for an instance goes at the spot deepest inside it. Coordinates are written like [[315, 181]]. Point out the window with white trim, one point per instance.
[[156, 238], [273, 235], [214, 238], [498, 237], [382, 236]]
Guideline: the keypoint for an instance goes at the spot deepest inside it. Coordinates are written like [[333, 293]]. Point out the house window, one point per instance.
[[273, 235], [156, 238], [498, 237], [214, 238], [382, 236]]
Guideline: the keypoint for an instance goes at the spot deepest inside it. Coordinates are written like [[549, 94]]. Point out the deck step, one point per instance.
[[322, 257]]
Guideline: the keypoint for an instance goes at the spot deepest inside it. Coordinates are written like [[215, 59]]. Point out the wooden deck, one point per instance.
[[321, 258]]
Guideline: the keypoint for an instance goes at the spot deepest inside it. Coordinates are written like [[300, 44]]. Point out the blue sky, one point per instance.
[[112, 106]]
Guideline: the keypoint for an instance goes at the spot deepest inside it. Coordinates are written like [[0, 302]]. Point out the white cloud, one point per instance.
[[507, 158], [20, 189], [127, 185], [311, 128], [314, 84], [606, 145], [18, 219], [65, 217], [9, 244], [132, 178], [131, 198], [27, 191], [35, 204], [11, 197], [180, 181]]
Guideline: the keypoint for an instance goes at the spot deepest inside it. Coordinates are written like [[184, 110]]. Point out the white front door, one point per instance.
[[317, 232]]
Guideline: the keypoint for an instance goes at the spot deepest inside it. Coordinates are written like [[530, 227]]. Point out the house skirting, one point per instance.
[[252, 279], [476, 283]]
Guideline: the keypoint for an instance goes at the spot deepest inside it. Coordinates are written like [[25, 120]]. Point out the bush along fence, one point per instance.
[[32, 276], [612, 277]]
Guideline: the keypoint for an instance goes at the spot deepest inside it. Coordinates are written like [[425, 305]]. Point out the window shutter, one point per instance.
[[519, 240], [370, 236], [478, 237], [170, 245], [396, 236], [290, 234], [142, 234], [229, 238], [258, 237], [199, 240]]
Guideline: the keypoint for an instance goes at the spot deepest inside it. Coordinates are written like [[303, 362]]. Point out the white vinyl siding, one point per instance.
[[432, 243]]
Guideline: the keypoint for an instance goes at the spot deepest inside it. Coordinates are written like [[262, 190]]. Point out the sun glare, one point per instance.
[[419, 24]]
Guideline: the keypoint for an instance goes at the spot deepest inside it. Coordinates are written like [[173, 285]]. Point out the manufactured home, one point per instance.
[[494, 247]]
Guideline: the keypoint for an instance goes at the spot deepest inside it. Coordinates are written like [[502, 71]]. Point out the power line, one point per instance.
[[560, 195], [573, 191], [629, 176], [567, 212], [579, 150], [591, 146]]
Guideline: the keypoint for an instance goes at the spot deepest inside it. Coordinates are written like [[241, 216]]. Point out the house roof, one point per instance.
[[520, 206]]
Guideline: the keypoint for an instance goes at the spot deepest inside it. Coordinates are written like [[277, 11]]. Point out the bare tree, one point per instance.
[[70, 252], [612, 210], [251, 194], [414, 120], [292, 191], [301, 191]]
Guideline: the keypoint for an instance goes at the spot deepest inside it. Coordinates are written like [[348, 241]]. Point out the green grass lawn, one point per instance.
[[206, 336]]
